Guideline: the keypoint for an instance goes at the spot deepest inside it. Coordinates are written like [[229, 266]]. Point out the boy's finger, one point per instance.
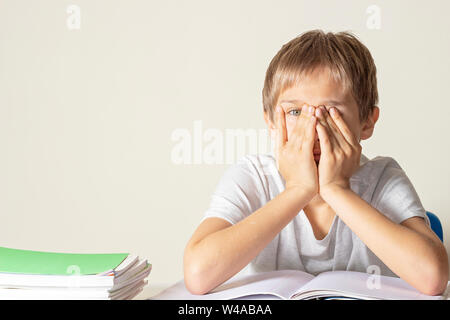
[[298, 131], [320, 114], [333, 130], [281, 127], [346, 132], [326, 146], [309, 135]]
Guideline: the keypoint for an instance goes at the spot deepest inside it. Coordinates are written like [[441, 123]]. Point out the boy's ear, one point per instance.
[[268, 122], [369, 125]]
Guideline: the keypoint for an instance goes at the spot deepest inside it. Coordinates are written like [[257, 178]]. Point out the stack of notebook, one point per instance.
[[26, 274]]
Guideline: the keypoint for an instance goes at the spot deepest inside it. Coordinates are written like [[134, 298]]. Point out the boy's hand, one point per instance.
[[295, 159], [340, 150]]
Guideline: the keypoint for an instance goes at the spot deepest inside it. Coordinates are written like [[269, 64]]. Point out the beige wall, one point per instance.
[[87, 115]]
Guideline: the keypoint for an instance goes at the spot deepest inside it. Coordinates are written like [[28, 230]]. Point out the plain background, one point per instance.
[[87, 115]]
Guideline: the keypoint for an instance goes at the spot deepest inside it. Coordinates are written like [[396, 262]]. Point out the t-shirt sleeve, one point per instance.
[[239, 193], [395, 196]]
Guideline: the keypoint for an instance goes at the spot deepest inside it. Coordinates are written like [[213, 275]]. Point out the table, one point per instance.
[[150, 291]]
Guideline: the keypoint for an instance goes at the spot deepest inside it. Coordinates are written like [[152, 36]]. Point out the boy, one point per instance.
[[319, 204]]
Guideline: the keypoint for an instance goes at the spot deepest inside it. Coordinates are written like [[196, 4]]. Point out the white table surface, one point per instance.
[[150, 291]]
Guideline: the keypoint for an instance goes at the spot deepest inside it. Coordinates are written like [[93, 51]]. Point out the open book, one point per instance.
[[299, 285]]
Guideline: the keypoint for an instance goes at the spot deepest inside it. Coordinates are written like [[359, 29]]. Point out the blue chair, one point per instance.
[[436, 225]]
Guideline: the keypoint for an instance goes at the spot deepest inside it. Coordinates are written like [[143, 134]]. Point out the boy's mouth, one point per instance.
[[316, 154]]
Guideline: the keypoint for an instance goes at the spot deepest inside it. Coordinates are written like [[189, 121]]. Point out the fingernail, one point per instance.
[[318, 112], [333, 111], [311, 110]]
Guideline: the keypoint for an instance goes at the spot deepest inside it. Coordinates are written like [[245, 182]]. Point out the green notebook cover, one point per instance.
[[52, 263]]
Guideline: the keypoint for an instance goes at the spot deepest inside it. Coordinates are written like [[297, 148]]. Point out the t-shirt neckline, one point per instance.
[[311, 231]]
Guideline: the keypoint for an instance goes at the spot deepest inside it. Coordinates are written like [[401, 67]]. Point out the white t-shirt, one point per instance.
[[254, 180]]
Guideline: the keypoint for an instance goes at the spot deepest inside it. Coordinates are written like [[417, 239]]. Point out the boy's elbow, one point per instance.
[[194, 275], [435, 287], [436, 280], [194, 281], [194, 286]]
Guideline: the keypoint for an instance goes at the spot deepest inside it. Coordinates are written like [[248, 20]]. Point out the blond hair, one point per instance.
[[347, 59]]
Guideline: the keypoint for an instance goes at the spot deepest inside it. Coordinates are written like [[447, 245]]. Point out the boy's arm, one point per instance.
[[211, 257], [410, 249]]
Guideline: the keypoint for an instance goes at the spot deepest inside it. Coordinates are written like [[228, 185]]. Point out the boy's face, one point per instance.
[[317, 89]]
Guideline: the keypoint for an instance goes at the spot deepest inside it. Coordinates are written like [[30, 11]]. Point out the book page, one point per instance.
[[360, 284], [281, 284]]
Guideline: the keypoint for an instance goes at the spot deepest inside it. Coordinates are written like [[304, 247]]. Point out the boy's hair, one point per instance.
[[347, 59]]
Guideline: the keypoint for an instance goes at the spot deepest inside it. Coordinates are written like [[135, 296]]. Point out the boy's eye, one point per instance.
[[295, 112]]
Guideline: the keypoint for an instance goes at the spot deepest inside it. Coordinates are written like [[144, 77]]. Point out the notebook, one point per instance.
[[38, 262], [299, 285], [27, 274]]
